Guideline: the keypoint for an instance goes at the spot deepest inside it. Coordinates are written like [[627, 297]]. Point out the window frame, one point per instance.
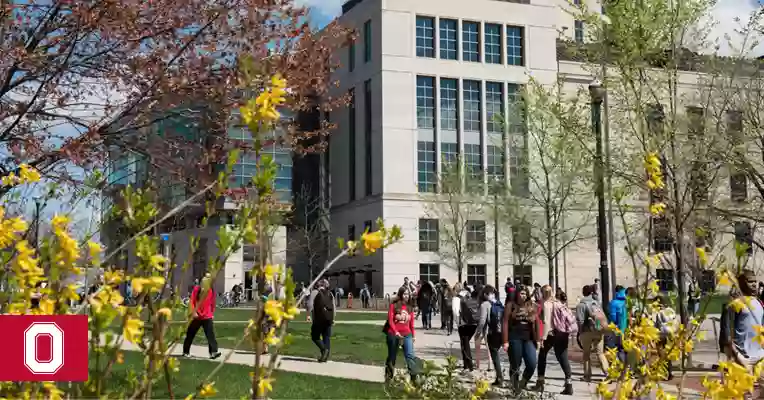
[[492, 57], [367, 41], [471, 50], [475, 271], [427, 276], [476, 236], [444, 29], [515, 46], [427, 47], [429, 235]]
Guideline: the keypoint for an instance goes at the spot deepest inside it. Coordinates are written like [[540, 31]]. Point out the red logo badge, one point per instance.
[[44, 347]]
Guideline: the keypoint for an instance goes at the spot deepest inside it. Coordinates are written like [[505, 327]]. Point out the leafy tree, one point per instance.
[[79, 78]]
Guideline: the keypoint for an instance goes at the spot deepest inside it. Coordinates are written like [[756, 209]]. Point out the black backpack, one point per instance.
[[323, 306], [470, 309]]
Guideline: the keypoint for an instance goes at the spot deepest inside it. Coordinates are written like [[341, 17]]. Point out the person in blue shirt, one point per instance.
[[739, 325], [618, 315]]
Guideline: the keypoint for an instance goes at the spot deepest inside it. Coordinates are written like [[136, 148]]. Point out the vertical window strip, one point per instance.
[[425, 37], [449, 42], [493, 43], [471, 41], [515, 45]]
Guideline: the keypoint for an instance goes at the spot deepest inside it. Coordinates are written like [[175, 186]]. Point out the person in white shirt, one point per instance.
[[456, 303]]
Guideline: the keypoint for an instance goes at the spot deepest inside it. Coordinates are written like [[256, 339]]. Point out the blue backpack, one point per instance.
[[496, 317]]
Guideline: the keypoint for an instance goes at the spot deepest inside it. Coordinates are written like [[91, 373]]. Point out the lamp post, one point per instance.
[[597, 93], [496, 237]]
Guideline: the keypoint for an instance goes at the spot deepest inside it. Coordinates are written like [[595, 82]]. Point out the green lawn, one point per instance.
[[233, 382], [236, 314], [355, 343]]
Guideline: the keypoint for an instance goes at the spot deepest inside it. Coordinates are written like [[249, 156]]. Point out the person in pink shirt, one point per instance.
[[400, 329]]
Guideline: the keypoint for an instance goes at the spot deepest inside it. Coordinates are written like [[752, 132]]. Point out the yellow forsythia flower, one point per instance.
[[702, 256], [47, 306], [657, 208], [158, 262], [28, 174], [94, 249], [723, 279], [372, 241], [208, 390], [275, 310], [264, 386], [166, 312], [133, 330], [737, 305]]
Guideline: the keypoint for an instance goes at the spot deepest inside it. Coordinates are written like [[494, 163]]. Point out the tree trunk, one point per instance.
[[549, 249]]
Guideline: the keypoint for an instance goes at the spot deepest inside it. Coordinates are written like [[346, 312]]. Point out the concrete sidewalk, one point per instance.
[[433, 345]]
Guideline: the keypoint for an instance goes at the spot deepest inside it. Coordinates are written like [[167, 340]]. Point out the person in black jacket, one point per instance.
[[424, 301], [323, 319]]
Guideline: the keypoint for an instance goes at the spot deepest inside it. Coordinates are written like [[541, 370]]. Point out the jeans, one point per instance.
[[592, 342], [209, 332], [559, 342], [466, 332], [427, 318], [321, 334], [494, 352], [447, 320], [522, 351], [393, 342]]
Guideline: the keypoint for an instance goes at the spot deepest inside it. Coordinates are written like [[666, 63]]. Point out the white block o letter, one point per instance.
[[56, 361]]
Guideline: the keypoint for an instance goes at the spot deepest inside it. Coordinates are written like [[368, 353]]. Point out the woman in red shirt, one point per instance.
[[400, 328], [202, 310]]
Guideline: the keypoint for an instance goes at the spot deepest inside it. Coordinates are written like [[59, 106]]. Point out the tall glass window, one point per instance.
[[517, 140], [426, 167], [495, 167], [473, 160], [449, 96], [425, 102], [367, 41], [493, 43], [494, 106], [471, 41], [449, 42], [425, 37], [515, 45], [426, 154], [579, 31], [472, 120]]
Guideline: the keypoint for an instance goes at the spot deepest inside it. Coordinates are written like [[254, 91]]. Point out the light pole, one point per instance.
[[597, 93], [496, 237]]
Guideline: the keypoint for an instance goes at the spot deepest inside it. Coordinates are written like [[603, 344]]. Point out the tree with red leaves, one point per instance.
[[80, 77]]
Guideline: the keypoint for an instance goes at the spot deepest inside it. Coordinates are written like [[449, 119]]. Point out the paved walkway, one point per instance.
[[432, 345]]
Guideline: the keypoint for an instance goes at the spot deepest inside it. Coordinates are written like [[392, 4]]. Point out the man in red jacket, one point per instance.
[[202, 308]]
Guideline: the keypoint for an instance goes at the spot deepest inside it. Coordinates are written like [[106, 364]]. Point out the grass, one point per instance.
[[353, 343], [237, 314], [233, 382]]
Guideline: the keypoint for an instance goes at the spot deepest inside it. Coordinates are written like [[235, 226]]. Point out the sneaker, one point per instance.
[[215, 355], [186, 355]]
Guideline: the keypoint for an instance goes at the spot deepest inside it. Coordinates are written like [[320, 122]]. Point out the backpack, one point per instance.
[[470, 311], [563, 320], [323, 306], [596, 319], [495, 319]]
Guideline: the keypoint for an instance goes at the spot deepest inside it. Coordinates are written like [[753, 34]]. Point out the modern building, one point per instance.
[[428, 78], [176, 235]]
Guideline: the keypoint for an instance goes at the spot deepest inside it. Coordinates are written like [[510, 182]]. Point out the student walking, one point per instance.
[[424, 302], [469, 315], [202, 307], [489, 328], [667, 323], [323, 318], [520, 334], [559, 324], [400, 331], [365, 296], [592, 324], [618, 315], [739, 327]]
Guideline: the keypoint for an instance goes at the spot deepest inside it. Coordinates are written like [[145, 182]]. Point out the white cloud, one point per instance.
[[729, 17]]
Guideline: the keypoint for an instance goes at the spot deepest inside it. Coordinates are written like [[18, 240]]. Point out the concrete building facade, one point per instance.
[[428, 78]]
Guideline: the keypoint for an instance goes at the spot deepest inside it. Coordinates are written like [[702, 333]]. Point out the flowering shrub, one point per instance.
[[147, 323]]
